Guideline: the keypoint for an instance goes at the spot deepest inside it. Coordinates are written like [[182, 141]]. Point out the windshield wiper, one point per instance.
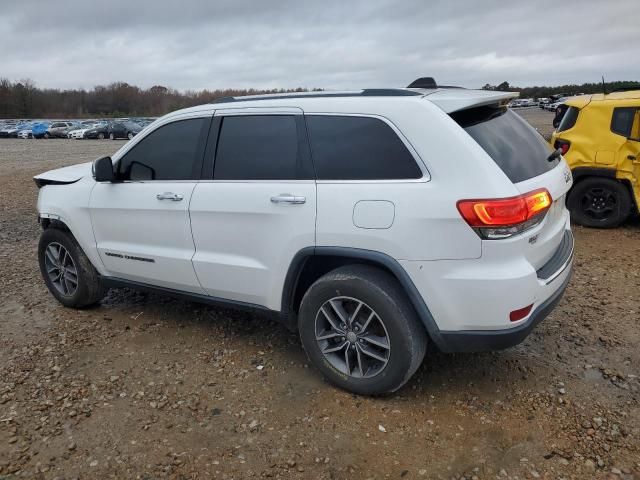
[[557, 153]]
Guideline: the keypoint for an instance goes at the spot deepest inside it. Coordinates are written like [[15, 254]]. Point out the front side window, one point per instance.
[[172, 152], [260, 147]]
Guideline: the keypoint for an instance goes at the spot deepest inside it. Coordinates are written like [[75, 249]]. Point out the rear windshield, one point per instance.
[[516, 147]]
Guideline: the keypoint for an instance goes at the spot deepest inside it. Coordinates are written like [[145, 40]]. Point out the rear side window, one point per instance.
[[260, 147], [172, 152], [516, 147], [569, 119], [622, 120], [358, 148]]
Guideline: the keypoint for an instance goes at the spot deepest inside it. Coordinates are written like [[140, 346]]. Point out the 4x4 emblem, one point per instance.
[[567, 175]]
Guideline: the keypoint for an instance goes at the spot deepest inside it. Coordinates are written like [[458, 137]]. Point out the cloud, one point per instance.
[[332, 44]]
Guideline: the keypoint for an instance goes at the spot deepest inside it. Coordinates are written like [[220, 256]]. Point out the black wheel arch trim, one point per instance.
[[581, 172], [376, 258]]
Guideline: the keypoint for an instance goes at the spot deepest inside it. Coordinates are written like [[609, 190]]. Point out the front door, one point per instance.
[[629, 153], [141, 223], [259, 207]]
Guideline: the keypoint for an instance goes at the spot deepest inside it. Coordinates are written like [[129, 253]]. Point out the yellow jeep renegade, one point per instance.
[[599, 137]]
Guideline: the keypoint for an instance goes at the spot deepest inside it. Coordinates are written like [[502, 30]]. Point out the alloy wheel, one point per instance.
[[61, 269], [352, 337]]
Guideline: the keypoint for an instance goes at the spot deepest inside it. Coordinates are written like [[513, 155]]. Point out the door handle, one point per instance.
[[288, 198], [176, 197]]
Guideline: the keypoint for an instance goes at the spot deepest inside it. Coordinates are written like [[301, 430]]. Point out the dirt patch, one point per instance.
[[148, 387]]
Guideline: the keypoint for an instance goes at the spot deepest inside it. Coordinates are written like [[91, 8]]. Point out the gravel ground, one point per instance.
[[149, 387]]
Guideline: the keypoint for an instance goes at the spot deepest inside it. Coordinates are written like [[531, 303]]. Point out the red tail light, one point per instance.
[[504, 217], [563, 145]]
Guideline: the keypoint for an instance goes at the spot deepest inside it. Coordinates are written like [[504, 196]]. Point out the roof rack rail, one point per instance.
[[368, 92]]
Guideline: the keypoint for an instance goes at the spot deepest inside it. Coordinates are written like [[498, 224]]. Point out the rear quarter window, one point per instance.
[[569, 119], [516, 147], [358, 148]]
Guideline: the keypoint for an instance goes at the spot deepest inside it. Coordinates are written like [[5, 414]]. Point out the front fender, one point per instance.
[[69, 204]]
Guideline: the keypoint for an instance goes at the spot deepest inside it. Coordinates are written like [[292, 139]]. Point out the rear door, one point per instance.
[[258, 208], [141, 223]]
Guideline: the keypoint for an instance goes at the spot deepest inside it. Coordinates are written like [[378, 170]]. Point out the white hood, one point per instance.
[[66, 174]]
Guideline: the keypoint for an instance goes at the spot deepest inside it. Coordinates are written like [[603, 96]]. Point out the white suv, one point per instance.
[[374, 222]]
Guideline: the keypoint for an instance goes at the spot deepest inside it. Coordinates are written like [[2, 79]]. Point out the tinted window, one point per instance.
[[569, 119], [518, 149], [358, 148], [622, 121], [259, 147], [172, 152]]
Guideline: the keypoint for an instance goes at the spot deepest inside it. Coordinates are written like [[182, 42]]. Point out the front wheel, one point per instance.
[[112, 136], [599, 202], [101, 136], [360, 331], [66, 270], [129, 135]]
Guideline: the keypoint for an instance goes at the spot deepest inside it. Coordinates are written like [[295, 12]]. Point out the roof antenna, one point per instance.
[[604, 86]]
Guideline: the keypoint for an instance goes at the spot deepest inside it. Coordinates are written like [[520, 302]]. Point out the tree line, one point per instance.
[[573, 89], [23, 99]]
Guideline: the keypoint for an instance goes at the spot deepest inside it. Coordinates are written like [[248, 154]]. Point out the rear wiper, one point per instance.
[[557, 153]]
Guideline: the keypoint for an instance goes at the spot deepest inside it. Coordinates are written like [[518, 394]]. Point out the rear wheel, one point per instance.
[[360, 331], [67, 271], [599, 202], [112, 136], [129, 135], [101, 136]]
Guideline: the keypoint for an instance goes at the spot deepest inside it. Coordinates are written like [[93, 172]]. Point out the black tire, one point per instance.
[[46, 135], [599, 203], [89, 289], [378, 290], [129, 135], [101, 136], [112, 136]]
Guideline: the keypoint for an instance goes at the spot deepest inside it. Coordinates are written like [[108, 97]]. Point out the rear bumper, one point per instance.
[[486, 340]]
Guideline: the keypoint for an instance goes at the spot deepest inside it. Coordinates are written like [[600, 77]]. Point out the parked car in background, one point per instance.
[[99, 130], [599, 136], [60, 129], [6, 128], [78, 132], [123, 129], [25, 131], [40, 130]]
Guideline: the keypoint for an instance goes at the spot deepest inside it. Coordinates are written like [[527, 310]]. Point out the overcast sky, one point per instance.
[[343, 44]]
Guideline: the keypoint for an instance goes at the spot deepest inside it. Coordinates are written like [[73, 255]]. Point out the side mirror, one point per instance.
[[103, 170]]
